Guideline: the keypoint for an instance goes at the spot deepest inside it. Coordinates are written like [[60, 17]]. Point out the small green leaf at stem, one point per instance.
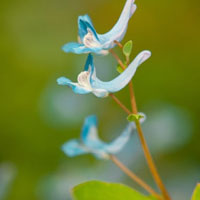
[[134, 117], [196, 194], [97, 190], [120, 69], [127, 49]]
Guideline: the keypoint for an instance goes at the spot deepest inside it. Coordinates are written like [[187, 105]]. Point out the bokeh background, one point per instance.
[[37, 116]]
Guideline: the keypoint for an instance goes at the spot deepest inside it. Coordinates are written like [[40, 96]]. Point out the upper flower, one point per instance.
[[91, 41], [90, 142], [88, 82]]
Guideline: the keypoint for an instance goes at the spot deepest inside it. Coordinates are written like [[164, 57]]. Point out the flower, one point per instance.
[[88, 82], [90, 142], [91, 41]]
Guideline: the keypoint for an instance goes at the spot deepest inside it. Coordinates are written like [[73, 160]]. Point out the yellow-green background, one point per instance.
[[37, 116]]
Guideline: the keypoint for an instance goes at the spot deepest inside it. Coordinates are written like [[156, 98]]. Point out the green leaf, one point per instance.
[[196, 194], [128, 48], [134, 117], [119, 69], [96, 190]]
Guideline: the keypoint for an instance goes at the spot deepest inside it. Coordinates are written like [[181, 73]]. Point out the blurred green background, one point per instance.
[[37, 116]]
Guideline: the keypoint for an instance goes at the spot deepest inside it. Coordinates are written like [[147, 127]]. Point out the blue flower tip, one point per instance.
[[92, 119], [133, 8], [82, 17], [90, 58], [67, 148], [62, 81], [145, 55], [65, 48]]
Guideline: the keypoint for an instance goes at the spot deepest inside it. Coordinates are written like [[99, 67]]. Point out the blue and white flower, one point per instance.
[[91, 41], [90, 142], [88, 82]]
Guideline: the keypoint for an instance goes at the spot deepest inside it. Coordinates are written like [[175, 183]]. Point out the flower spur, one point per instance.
[[88, 82], [91, 41], [90, 142]]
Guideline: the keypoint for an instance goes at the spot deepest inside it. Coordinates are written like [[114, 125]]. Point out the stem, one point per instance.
[[134, 108], [118, 43], [147, 153], [127, 60], [146, 150], [133, 176], [132, 98], [120, 103], [150, 162], [131, 92], [117, 58]]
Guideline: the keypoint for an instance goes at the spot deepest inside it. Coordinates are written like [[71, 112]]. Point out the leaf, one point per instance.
[[120, 69], [196, 193], [127, 49], [96, 190], [134, 117]]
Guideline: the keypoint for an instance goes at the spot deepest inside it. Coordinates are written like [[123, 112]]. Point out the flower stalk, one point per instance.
[[118, 44], [134, 177], [144, 145], [120, 103], [87, 82]]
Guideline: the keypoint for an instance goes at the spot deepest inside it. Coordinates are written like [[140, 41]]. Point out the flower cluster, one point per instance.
[[88, 82], [89, 41], [90, 142]]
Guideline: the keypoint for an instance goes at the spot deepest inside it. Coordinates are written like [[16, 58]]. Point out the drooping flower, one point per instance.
[[90, 142], [88, 82], [91, 41]]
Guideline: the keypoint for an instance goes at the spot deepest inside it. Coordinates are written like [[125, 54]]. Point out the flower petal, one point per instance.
[[77, 48], [124, 78], [74, 148], [91, 140], [119, 143], [89, 134], [119, 29], [100, 154], [75, 87], [89, 66], [73, 47], [101, 93], [85, 24], [91, 41]]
